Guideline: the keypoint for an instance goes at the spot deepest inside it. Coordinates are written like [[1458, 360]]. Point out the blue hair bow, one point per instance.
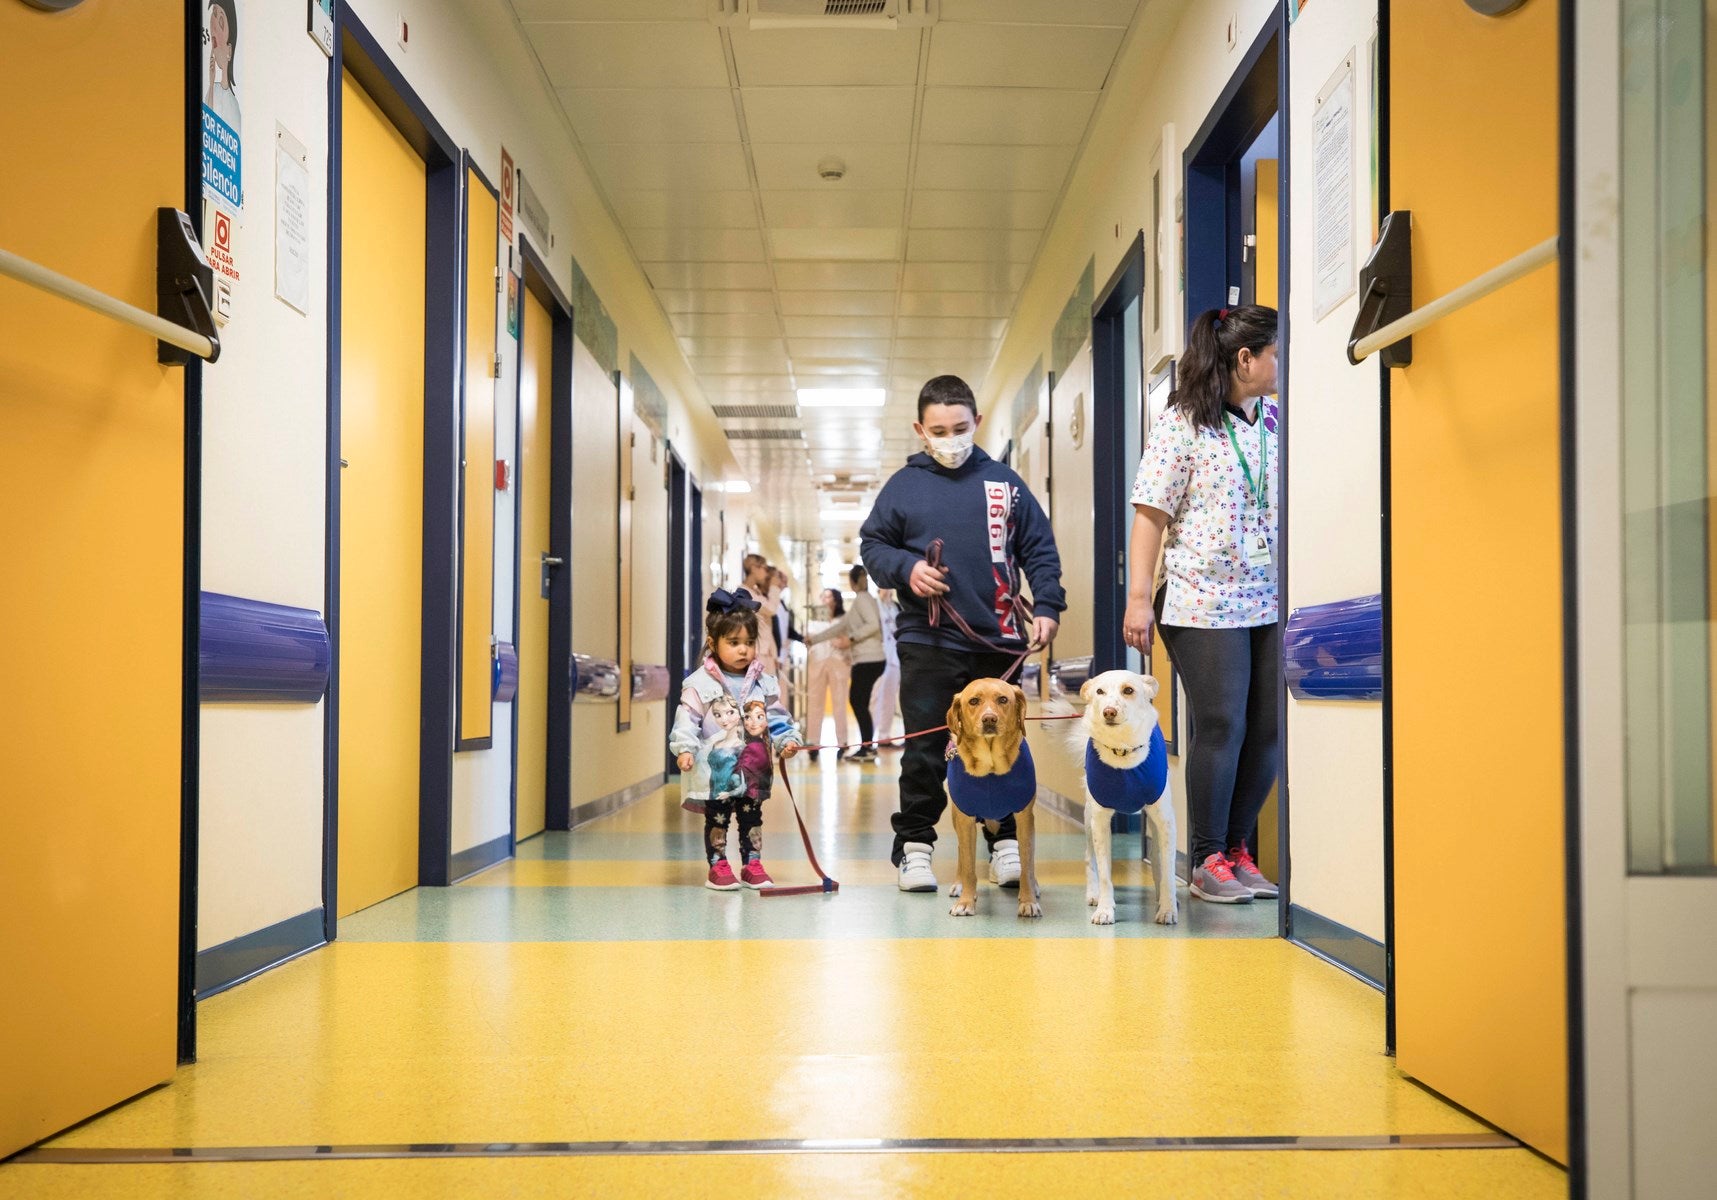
[[723, 601]]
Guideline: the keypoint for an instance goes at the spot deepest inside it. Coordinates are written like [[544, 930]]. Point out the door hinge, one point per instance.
[[632, 492], [1247, 245], [497, 281], [497, 374]]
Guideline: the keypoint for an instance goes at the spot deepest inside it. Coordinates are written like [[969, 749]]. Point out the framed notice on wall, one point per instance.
[[1335, 274]]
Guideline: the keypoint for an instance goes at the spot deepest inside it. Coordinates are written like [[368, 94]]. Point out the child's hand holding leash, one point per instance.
[[789, 750], [685, 762]]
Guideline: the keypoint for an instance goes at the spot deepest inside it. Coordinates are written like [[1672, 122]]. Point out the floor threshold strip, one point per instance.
[[598, 1149]]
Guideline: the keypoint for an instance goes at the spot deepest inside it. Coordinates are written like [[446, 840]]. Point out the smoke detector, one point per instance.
[[832, 170]]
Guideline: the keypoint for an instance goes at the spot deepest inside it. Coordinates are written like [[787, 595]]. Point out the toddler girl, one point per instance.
[[719, 774]]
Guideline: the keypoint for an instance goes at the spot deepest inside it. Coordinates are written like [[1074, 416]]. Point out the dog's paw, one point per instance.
[[954, 890], [1168, 916], [1030, 908], [1105, 915], [964, 908]]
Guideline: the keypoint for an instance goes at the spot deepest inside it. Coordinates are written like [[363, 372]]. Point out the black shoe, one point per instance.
[[815, 754]]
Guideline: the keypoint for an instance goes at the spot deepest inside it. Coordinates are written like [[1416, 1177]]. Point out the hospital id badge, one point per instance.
[[1258, 549]]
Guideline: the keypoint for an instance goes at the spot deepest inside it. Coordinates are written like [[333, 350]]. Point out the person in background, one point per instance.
[[761, 585], [829, 668], [708, 742], [861, 626], [1205, 497], [995, 538], [886, 698]]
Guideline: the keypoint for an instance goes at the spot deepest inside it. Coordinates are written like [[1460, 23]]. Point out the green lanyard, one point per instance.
[[1256, 487]]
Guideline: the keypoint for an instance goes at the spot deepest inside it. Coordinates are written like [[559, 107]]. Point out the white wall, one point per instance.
[[265, 429], [1335, 748]]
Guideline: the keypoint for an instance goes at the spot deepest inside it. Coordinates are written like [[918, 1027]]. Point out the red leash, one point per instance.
[[1021, 610]]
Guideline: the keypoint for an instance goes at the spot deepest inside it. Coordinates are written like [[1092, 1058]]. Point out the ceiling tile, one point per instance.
[[1005, 116], [670, 167], [918, 349], [838, 327], [830, 58], [738, 365], [838, 277], [1033, 168], [631, 54], [1065, 12], [611, 10], [970, 245], [980, 209], [957, 304], [716, 346], [842, 244], [838, 373], [653, 115], [686, 276], [949, 327], [698, 245], [834, 206], [685, 209], [964, 277], [837, 304], [1070, 57], [762, 383], [849, 349], [705, 325], [859, 115], [869, 167], [677, 301]]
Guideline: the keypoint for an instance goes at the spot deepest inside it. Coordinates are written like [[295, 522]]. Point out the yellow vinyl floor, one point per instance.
[[592, 991]]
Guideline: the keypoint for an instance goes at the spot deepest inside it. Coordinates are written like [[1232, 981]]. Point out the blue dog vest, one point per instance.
[[992, 797], [1128, 790]]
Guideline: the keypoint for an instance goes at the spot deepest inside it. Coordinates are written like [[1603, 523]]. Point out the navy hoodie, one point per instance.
[[992, 528]]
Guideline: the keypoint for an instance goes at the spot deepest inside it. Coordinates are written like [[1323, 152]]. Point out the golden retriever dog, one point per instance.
[[991, 775], [1125, 770]]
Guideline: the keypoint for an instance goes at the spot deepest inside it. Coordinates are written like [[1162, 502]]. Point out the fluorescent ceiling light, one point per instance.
[[734, 487], [865, 397]]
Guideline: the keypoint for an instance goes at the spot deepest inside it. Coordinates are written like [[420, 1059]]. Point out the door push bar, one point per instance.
[[183, 322], [1387, 318]]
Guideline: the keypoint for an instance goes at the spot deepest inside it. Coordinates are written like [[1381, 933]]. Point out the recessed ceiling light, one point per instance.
[[734, 487], [842, 397]]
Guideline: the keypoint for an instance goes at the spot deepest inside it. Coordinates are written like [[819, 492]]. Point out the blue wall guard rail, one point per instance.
[[1335, 651], [254, 650]]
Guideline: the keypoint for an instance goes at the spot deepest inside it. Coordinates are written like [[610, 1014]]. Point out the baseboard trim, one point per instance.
[[467, 863], [1360, 956], [221, 967], [613, 802]]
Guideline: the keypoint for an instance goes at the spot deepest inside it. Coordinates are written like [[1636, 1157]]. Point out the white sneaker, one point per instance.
[[1004, 863], [915, 872]]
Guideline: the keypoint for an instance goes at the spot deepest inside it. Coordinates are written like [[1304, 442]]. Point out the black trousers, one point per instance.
[[718, 814], [864, 679], [929, 678], [1232, 679]]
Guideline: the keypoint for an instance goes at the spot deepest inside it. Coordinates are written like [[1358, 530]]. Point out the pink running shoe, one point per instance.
[[721, 877], [752, 875]]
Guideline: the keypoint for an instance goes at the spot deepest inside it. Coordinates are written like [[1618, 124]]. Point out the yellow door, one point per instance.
[[1265, 217], [92, 435], [381, 503], [535, 413], [1481, 1003], [477, 543]]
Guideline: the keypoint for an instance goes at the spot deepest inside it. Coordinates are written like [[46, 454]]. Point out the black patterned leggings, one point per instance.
[[716, 816]]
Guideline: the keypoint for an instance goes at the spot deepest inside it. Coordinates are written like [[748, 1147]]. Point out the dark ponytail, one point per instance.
[[1204, 376]]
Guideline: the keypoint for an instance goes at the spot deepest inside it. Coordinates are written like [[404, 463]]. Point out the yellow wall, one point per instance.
[[91, 517], [1479, 915], [477, 541], [381, 498]]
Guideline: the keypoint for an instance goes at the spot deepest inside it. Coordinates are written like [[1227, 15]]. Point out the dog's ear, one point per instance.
[[1019, 699], [956, 720], [1152, 687], [1085, 690]]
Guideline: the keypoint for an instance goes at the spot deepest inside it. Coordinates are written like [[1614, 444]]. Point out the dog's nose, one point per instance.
[[1109, 714], [989, 724]]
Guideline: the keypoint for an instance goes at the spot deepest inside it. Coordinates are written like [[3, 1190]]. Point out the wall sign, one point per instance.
[[223, 123], [1335, 277], [321, 25], [291, 220]]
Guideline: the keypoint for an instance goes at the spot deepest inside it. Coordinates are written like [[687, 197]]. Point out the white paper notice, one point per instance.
[[1332, 124], [291, 221]]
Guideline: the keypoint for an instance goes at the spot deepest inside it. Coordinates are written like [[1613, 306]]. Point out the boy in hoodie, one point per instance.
[[992, 530]]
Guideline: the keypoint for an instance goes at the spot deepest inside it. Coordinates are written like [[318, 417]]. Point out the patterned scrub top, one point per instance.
[[1193, 475]]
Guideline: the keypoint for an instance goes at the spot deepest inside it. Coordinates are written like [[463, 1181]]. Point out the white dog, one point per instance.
[[1125, 770]]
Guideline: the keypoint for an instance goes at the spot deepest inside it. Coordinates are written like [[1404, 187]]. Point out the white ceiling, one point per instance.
[[957, 140]]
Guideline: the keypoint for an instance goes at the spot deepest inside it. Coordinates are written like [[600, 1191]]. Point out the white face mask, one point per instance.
[[951, 452]]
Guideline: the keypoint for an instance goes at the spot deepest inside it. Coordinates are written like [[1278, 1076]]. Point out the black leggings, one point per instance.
[[864, 679], [1232, 679], [717, 814]]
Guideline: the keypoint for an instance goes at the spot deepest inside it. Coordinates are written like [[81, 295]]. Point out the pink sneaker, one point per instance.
[[753, 875], [721, 877]]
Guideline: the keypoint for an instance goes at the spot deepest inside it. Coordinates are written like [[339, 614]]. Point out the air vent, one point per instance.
[[854, 8], [825, 14], [762, 412], [764, 435]]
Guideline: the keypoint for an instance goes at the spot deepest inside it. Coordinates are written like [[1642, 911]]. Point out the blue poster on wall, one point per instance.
[[223, 124]]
